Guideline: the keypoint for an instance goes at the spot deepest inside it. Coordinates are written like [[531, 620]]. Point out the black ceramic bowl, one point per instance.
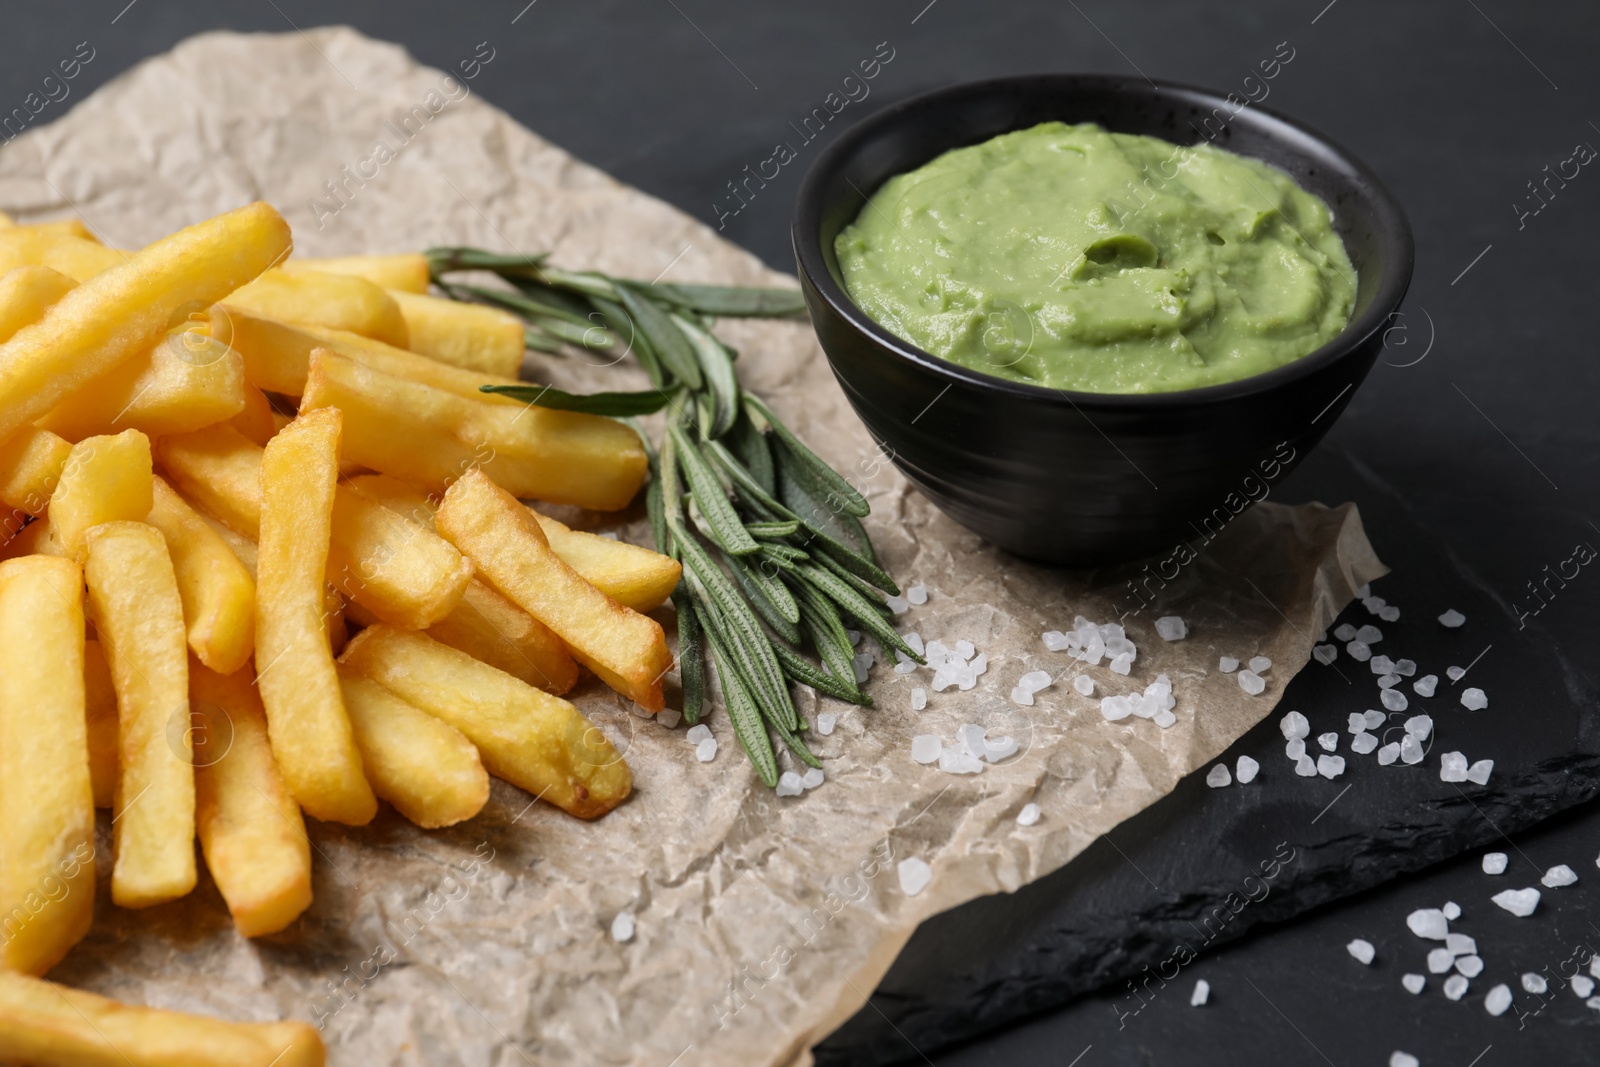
[[1090, 478]]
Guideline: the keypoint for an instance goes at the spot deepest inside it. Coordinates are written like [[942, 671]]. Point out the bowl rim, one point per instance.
[[1392, 226]]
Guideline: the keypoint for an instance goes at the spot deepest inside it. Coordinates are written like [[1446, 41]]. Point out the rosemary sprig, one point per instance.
[[775, 559]]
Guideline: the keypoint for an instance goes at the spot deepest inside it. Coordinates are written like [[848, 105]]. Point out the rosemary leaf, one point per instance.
[[805, 672], [728, 301], [664, 337], [691, 655], [746, 718], [723, 385], [713, 500], [859, 607], [849, 500], [613, 404]]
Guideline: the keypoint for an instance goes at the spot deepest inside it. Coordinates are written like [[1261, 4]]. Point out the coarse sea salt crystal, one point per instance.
[[1469, 966], [622, 927], [965, 649], [1420, 726], [1356, 723], [791, 785], [670, 718], [1359, 651], [1390, 613], [1218, 776], [1558, 876], [697, 733], [1452, 911], [1374, 719], [915, 874], [917, 594], [1403, 1059], [1474, 699], [1330, 767], [1227, 664], [1361, 950], [1122, 663], [1164, 718], [1202, 993], [1325, 654], [1388, 754], [1023, 697], [1494, 863], [1034, 681], [958, 761], [1056, 641], [1252, 683], [1246, 769], [914, 639], [1260, 664], [1363, 743], [1582, 985], [1116, 708], [1460, 944], [1344, 632], [1519, 902], [1305, 767], [1369, 634], [1295, 748], [1455, 987], [1373, 604], [1028, 815], [1428, 923], [897, 604], [1440, 960], [1171, 628], [1452, 767], [1084, 684], [1411, 751], [1535, 983], [1479, 772], [1394, 700], [1381, 664], [853, 636], [1414, 983], [1328, 742], [1452, 619], [925, 748], [1498, 1000], [813, 778], [1455, 674], [1426, 685], [1294, 725], [919, 698], [828, 720], [1405, 668], [1388, 681], [706, 751], [904, 664]]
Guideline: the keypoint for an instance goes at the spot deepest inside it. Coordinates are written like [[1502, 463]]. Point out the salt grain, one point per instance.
[[959, 761], [917, 594], [1305, 767], [897, 604], [1469, 966], [670, 718], [1535, 983], [828, 720], [1116, 708], [1328, 742], [1252, 683], [1558, 876], [1297, 748], [1374, 719], [1028, 815], [1171, 628], [1406, 668], [1452, 911], [1373, 604], [1474, 700], [1582, 985], [1164, 719], [697, 733], [1390, 613], [1361, 950], [1440, 961], [1363, 743], [1369, 634], [1414, 983], [1034, 681], [1260, 664], [1084, 684], [1201, 994], [1246, 769], [1420, 726], [1218, 776], [1056, 641], [1359, 651], [1411, 751], [1403, 1059], [1452, 767], [1393, 699], [854, 637], [1479, 772], [1460, 944], [925, 748], [1345, 632], [1023, 697], [1452, 619], [1498, 1000], [1330, 767], [1388, 681], [1494, 863], [1425, 686], [1455, 674], [1325, 654], [1356, 723], [790, 784], [622, 927], [1122, 663], [706, 751], [1455, 987], [1519, 902], [1428, 923], [813, 778], [919, 698], [915, 874], [1381, 664], [1295, 725], [1388, 754], [1227, 664]]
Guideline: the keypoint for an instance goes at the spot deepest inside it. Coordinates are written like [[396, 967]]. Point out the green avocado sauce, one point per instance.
[[1073, 258]]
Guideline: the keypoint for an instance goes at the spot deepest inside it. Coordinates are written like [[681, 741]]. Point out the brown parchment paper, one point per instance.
[[761, 922]]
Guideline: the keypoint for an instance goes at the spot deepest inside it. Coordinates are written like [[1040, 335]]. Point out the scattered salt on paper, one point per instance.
[[1115, 708], [1474, 699], [1084, 685], [1455, 987], [925, 748], [1558, 876], [669, 718], [1469, 966], [1519, 902], [1426, 685], [1028, 815], [1452, 619], [1305, 767], [1414, 983], [622, 927], [1218, 776], [1374, 719], [917, 594], [1295, 748], [1171, 628], [1455, 674], [915, 874], [1359, 651], [1363, 743], [1535, 983], [1369, 634], [1252, 683], [1411, 751], [1495, 863], [1260, 664], [1294, 725], [1325, 654], [1344, 632], [1330, 767], [1388, 754], [812, 778], [1420, 726], [1429, 923], [1361, 950], [1201, 994], [1227, 664], [897, 604], [1246, 769], [919, 698], [1023, 697], [790, 784], [1328, 742], [1393, 699], [1498, 1000], [706, 751], [959, 761], [697, 733]]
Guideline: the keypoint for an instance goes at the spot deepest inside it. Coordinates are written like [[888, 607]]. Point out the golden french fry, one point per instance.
[[30, 466], [333, 606], [26, 293], [121, 312], [632, 575], [626, 649], [277, 357], [104, 479], [306, 719], [255, 420], [79, 258], [133, 597], [100, 706], [73, 227], [401, 571], [472, 336], [420, 764], [219, 596], [34, 539], [406, 271], [186, 381], [250, 828], [46, 803], [342, 301], [533, 740], [52, 1025], [430, 436]]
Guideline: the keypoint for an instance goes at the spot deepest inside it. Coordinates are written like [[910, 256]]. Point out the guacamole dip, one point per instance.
[[1070, 257]]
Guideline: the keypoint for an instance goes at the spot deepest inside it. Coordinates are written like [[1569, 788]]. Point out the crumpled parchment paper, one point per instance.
[[761, 922]]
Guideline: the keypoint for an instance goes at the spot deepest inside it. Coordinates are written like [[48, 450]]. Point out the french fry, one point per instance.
[[277, 357], [30, 466], [250, 828], [35, 539], [105, 479], [306, 719], [430, 436], [533, 740], [133, 600], [219, 596], [401, 571], [187, 380], [79, 258], [255, 419], [626, 649], [26, 293], [70, 227], [475, 337], [52, 1025], [406, 271], [420, 764], [122, 311], [100, 706], [632, 575], [342, 301], [47, 803], [333, 605]]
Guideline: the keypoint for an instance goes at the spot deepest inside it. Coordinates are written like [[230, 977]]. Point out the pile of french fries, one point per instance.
[[184, 563]]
